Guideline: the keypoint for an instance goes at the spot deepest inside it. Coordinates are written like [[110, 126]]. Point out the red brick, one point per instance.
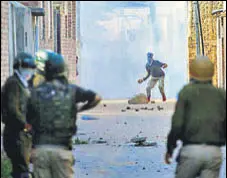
[[4, 42], [68, 46]]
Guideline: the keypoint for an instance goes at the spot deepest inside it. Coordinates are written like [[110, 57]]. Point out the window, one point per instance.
[[57, 31]]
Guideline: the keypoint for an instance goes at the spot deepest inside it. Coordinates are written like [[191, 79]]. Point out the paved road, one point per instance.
[[118, 158]]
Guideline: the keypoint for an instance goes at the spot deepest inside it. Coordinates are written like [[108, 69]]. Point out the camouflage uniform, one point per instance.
[[17, 142], [199, 122], [52, 112]]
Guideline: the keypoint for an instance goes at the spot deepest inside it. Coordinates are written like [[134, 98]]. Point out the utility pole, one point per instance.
[[196, 20], [200, 25]]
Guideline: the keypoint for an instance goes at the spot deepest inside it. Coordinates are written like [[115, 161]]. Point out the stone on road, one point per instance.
[[120, 158]]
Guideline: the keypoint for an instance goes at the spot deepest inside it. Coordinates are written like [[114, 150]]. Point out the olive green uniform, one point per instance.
[[17, 143], [199, 122], [52, 114]]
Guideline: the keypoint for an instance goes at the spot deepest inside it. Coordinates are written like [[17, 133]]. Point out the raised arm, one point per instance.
[[91, 98]]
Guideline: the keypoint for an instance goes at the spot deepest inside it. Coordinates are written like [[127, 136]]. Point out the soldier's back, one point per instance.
[[205, 113]]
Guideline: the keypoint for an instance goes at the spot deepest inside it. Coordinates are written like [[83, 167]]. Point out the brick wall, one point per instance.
[[68, 37], [45, 41], [209, 32], [4, 41], [68, 30]]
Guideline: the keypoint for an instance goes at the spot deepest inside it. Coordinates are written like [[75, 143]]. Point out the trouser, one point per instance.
[[18, 149], [151, 84], [50, 161], [201, 161]]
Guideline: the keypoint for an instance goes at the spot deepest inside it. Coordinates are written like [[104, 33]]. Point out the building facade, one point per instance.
[[56, 30], [4, 41], [214, 30]]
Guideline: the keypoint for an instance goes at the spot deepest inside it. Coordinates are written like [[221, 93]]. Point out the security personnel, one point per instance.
[[199, 122], [52, 113], [40, 58], [14, 95]]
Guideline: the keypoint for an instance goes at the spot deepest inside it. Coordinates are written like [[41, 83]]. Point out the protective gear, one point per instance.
[[202, 69], [41, 57], [52, 110], [56, 123], [26, 73], [24, 60], [55, 66], [150, 58]]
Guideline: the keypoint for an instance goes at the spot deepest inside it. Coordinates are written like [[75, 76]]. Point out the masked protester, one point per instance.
[[199, 121], [154, 70], [52, 113], [17, 139]]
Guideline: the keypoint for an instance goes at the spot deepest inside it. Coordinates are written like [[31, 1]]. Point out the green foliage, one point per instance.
[[77, 141], [6, 167]]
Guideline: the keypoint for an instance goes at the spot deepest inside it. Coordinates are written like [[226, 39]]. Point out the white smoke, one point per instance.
[[116, 38]]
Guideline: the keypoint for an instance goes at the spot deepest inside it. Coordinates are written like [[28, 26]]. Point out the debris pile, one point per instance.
[[138, 99]]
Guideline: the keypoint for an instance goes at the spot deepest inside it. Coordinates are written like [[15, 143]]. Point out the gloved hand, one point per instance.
[[140, 81]]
